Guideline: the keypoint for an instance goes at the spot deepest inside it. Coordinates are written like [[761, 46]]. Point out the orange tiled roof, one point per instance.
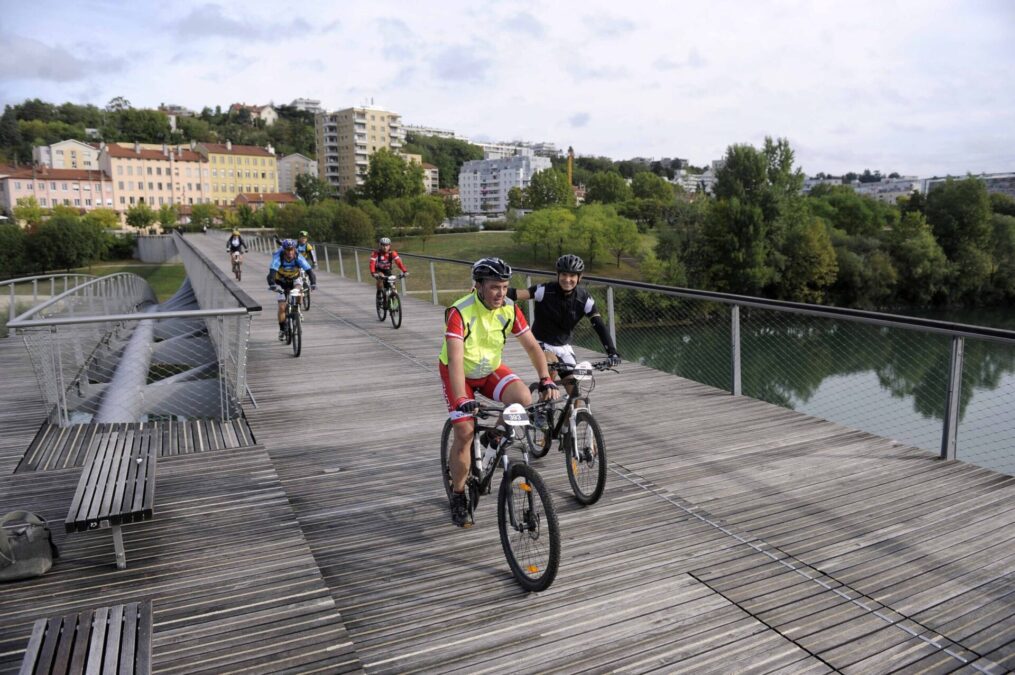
[[184, 155], [220, 148], [264, 197], [428, 166], [46, 173]]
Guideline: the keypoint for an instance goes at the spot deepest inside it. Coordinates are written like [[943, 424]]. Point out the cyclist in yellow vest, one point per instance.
[[476, 330]]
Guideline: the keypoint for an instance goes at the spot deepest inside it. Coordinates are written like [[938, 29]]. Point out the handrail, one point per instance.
[[23, 280], [241, 296], [69, 293], [137, 316], [34, 280], [859, 315]]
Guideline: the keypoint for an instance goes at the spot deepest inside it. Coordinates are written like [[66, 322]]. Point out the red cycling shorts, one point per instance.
[[491, 386]]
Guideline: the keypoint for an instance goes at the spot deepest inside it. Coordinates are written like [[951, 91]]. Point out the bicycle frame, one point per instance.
[[581, 372]]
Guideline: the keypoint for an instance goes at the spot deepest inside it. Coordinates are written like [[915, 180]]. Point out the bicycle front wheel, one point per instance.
[[542, 432], [297, 335], [306, 299], [395, 308], [528, 528], [586, 459], [382, 306], [446, 456]]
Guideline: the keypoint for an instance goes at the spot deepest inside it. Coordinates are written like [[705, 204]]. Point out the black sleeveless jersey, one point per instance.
[[557, 314]]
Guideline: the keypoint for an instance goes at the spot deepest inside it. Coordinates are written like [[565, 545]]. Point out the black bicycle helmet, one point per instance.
[[570, 264], [491, 268]]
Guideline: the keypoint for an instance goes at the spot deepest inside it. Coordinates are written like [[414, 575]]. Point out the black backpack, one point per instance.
[[26, 549]]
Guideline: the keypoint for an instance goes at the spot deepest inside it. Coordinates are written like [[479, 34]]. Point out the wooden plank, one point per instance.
[[113, 637], [128, 643], [86, 486], [144, 494], [96, 641], [82, 636], [48, 652], [106, 486], [144, 637], [113, 504], [33, 650]]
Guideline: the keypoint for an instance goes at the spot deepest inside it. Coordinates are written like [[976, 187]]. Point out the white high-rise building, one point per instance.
[[291, 166], [307, 104], [483, 185], [347, 138], [432, 131]]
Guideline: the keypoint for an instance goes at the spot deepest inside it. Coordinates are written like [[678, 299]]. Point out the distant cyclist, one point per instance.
[[306, 249], [560, 306], [284, 275], [235, 244], [476, 330], [382, 259]]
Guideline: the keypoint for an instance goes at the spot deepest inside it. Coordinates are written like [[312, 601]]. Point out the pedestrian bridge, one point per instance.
[[310, 533]]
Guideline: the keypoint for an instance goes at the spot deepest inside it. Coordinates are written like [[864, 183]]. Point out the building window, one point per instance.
[[123, 200], [88, 202], [158, 171], [130, 170], [160, 186], [77, 202], [52, 185], [119, 170], [161, 201], [121, 184], [149, 171], [66, 202], [42, 201], [151, 186]]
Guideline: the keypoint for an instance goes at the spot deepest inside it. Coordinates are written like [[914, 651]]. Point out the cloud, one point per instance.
[[579, 120], [459, 64], [609, 26], [526, 24], [28, 59], [399, 40], [694, 60], [210, 21], [581, 72]]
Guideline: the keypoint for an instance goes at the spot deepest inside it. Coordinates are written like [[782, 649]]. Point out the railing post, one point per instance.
[[11, 309], [327, 262], [736, 386], [359, 275], [611, 317], [405, 291], [532, 303], [341, 263], [433, 282], [35, 291], [52, 286], [950, 429]]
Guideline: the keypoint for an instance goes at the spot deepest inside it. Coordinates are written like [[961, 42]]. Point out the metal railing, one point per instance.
[[103, 351], [942, 386], [156, 248], [30, 287]]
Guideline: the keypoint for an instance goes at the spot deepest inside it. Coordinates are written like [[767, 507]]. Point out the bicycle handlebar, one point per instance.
[[598, 365]]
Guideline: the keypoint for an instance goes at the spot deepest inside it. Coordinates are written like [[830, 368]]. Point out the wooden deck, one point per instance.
[[734, 536]]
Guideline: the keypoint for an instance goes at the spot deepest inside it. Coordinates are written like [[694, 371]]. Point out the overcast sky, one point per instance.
[[920, 88]]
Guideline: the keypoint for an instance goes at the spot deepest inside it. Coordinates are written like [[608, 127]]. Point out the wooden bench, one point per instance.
[[117, 485], [115, 639]]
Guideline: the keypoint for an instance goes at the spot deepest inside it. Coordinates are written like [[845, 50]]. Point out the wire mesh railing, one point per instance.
[[24, 293], [894, 376]]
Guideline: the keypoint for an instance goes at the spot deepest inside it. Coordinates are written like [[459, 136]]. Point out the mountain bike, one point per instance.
[[526, 518], [388, 302], [579, 434], [237, 263], [294, 320], [306, 289]]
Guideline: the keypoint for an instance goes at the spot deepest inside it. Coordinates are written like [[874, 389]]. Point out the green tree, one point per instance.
[[1002, 274], [811, 266], [621, 236], [104, 219], [516, 198], [447, 154], [647, 185], [203, 215], [12, 250], [399, 212], [921, 264], [378, 217], [293, 218], [390, 176], [1001, 203], [589, 233], [959, 215], [168, 215], [312, 189], [545, 231], [28, 211], [548, 188], [352, 226], [245, 214], [140, 216], [607, 188], [427, 214], [453, 205], [117, 104]]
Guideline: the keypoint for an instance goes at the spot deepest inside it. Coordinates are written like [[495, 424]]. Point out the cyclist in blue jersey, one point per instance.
[[284, 275]]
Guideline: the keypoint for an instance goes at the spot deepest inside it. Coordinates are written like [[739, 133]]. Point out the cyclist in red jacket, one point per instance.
[[382, 259]]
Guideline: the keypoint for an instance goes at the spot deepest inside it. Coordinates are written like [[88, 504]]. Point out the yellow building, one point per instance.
[[238, 169]]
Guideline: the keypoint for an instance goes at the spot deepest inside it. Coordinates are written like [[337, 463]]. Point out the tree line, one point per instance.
[[36, 122]]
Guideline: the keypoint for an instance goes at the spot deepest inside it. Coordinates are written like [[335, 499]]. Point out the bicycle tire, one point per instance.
[[587, 472], [306, 299], [446, 456], [542, 439], [381, 305], [537, 543], [395, 310], [297, 336], [288, 328]]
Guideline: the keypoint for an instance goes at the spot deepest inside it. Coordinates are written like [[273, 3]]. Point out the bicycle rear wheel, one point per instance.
[[297, 335], [395, 307], [382, 306], [586, 459], [529, 532]]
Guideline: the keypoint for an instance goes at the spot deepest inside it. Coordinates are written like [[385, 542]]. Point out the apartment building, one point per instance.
[[483, 185], [239, 168], [69, 154], [155, 174], [432, 131], [292, 166], [1000, 183], [889, 189], [504, 150], [77, 188], [311, 105], [431, 174], [347, 138]]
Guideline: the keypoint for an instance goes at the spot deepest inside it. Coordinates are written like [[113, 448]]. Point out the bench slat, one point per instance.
[[83, 623], [84, 489], [61, 662], [97, 641], [144, 496], [113, 636], [114, 482], [100, 470], [45, 662], [33, 648], [128, 645], [144, 637]]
